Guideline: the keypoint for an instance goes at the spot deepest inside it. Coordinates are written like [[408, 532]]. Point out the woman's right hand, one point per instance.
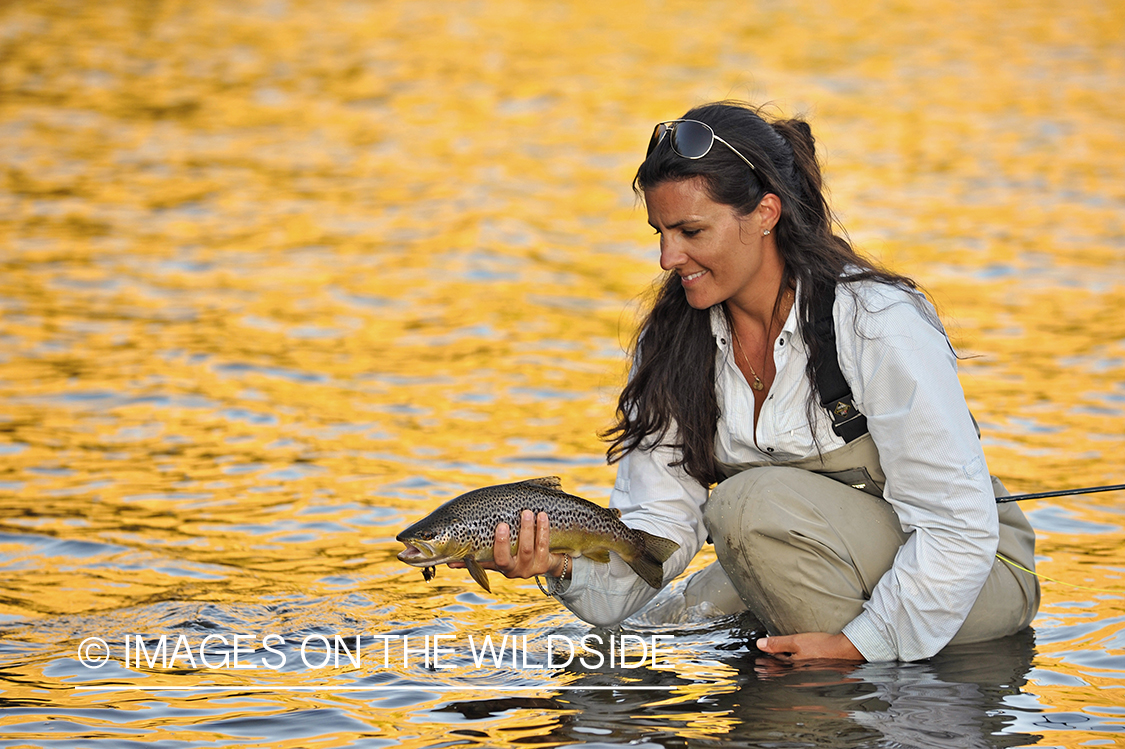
[[533, 557]]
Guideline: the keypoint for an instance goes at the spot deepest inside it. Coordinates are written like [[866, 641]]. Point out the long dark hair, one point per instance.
[[672, 388]]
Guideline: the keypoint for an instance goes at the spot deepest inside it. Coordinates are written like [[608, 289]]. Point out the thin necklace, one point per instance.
[[757, 384]]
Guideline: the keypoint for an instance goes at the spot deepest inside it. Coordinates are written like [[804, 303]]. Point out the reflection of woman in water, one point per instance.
[[852, 511], [964, 698]]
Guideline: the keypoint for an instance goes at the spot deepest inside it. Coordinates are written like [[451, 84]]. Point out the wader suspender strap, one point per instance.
[[835, 394]]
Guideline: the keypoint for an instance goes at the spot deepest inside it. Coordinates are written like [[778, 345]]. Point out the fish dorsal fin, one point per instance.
[[547, 482]]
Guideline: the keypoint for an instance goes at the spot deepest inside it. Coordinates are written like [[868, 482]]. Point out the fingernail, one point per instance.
[[763, 643]]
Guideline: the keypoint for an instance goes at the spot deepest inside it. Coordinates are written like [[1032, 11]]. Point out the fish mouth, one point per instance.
[[421, 554], [413, 553]]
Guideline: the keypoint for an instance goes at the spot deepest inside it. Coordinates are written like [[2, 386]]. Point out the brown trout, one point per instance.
[[463, 529]]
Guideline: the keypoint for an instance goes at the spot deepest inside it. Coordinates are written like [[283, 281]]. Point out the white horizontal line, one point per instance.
[[398, 688]]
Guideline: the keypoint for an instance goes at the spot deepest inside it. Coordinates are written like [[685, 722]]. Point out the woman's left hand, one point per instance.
[[810, 646]]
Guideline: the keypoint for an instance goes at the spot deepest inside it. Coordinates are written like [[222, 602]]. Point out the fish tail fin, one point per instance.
[[649, 564], [658, 547]]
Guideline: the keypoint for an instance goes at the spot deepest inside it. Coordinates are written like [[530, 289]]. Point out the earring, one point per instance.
[[765, 232]]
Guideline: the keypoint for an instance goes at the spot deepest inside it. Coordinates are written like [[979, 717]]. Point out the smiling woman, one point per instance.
[[837, 529], [716, 253]]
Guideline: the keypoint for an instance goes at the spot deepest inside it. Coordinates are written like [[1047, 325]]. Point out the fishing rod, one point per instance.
[[1061, 493]]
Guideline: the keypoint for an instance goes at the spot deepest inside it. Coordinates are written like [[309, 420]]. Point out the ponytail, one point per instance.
[[806, 181]]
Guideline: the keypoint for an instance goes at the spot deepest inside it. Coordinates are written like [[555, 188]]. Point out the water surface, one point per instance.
[[280, 277]]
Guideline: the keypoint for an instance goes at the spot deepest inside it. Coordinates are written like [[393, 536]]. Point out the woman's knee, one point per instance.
[[781, 552], [756, 500]]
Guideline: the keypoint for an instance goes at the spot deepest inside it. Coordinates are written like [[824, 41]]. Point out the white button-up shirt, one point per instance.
[[903, 376]]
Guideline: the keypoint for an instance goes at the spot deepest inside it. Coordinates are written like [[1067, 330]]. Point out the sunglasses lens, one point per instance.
[[692, 140], [657, 136]]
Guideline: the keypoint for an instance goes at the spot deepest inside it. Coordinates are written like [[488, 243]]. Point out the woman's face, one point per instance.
[[718, 255]]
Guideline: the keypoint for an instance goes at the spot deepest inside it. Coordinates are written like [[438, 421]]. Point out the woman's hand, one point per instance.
[[533, 557], [810, 646]]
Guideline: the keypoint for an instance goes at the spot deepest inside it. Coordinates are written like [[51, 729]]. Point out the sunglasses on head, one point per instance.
[[691, 139]]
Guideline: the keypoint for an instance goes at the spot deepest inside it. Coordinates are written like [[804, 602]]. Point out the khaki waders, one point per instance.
[[802, 547]]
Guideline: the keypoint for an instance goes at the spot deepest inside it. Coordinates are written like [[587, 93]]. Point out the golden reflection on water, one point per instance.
[[280, 276]]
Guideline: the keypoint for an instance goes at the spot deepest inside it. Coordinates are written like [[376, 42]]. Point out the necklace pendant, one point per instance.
[[757, 384]]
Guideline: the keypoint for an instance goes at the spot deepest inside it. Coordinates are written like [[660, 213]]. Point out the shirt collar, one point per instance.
[[720, 329]]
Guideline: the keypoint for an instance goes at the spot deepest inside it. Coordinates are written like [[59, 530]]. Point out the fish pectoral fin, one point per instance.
[[598, 555], [478, 573], [616, 511], [548, 482]]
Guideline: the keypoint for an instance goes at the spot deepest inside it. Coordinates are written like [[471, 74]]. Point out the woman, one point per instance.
[[855, 525]]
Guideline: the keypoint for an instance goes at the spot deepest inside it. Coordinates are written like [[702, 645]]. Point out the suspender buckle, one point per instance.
[[847, 421]]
